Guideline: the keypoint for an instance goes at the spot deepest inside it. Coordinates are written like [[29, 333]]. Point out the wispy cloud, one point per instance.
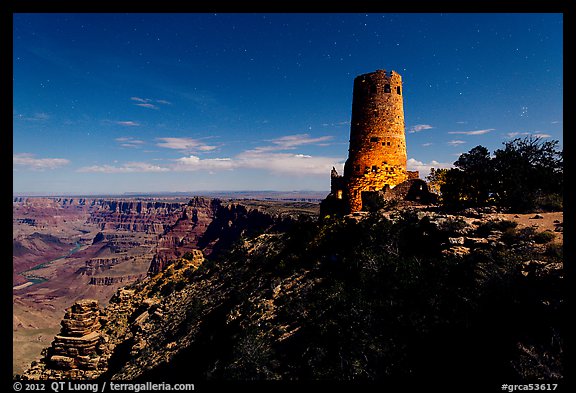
[[39, 116], [455, 142], [337, 124], [270, 158], [279, 163], [290, 142], [426, 144], [537, 134], [475, 132], [127, 123], [275, 162], [129, 167], [194, 163], [423, 167], [419, 127], [185, 144], [151, 106], [129, 142], [288, 163], [29, 161], [149, 102]]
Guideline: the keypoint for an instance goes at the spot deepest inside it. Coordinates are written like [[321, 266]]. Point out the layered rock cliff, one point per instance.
[[185, 233], [135, 216], [80, 350]]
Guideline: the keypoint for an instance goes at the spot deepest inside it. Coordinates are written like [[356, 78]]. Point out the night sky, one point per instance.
[[114, 103]]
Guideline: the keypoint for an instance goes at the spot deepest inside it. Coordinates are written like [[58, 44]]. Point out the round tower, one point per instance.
[[377, 153]]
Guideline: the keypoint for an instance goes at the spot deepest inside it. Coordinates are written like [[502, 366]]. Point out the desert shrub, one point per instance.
[[252, 353], [453, 226], [189, 256], [544, 237], [180, 285], [484, 229], [515, 236], [168, 288], [179, 264], [189, 272], [554, 250]]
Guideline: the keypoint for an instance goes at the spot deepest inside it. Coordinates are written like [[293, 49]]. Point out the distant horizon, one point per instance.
[[116, 103], [170, 193]]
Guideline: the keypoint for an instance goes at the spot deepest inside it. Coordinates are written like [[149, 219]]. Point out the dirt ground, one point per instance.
[[540, 224]]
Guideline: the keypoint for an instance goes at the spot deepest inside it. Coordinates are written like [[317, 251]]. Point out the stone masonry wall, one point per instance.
[[377, 153]]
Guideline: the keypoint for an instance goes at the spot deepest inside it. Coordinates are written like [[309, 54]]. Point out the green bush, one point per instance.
[[514, 236], [554, 250], [544, 237], [484, 229], [453, 226]]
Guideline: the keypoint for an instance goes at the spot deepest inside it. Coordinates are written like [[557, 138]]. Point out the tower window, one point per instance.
[[387, 143], [339, 194], [374, 139], [397, 89], [386, 88], [374, 168]]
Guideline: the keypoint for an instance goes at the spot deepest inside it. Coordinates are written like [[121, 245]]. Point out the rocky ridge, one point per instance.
[[251, 312], [89, 336]]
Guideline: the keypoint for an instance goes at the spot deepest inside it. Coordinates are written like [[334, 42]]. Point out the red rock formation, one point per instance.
[[106, 280], [136, 216], [77, 345], [184, 235]]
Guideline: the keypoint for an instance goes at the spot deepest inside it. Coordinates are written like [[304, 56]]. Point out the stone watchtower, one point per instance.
[[377, 153]]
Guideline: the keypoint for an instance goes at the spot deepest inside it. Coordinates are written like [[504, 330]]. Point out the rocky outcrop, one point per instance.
[[186, 233], [98, 265], [136, 216], [79, 350], [106, 280]]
